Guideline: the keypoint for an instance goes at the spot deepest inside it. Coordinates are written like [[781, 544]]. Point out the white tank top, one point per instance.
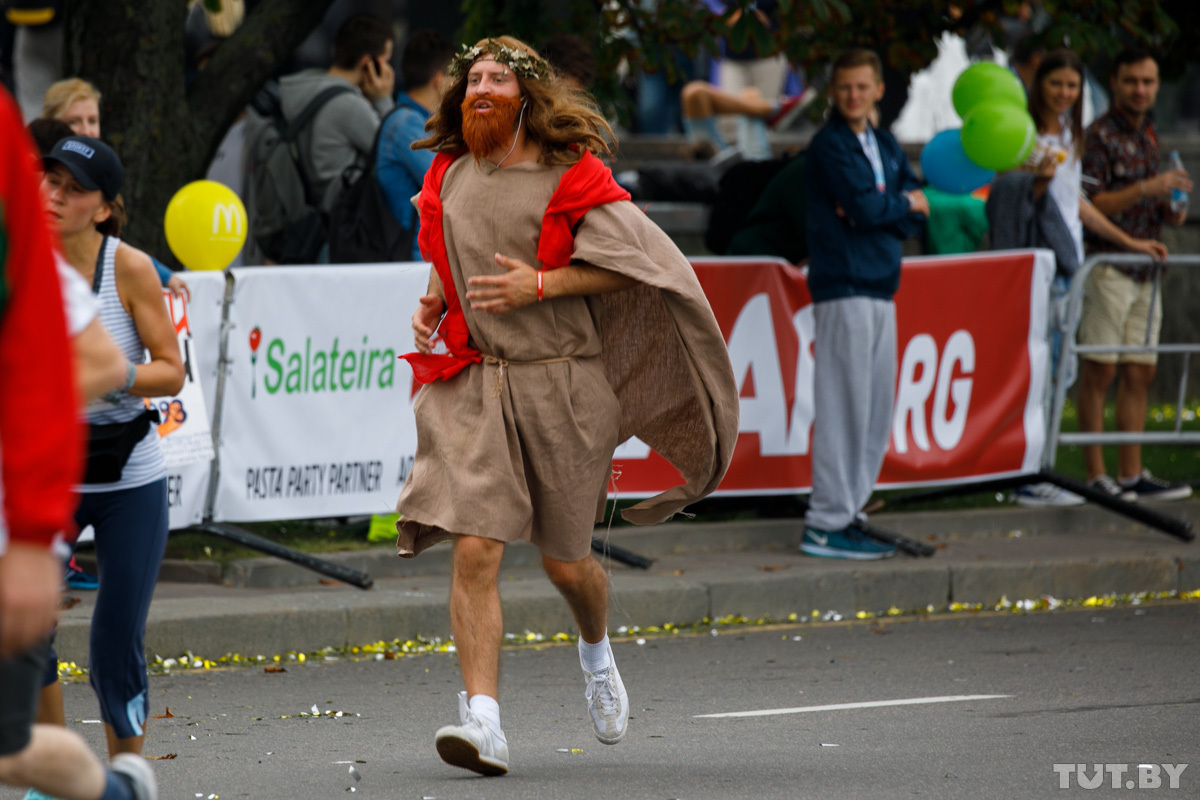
[[146, 464]]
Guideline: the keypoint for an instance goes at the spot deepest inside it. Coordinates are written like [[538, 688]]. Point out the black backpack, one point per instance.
[[362, 229], [737, 192], [286, 218]]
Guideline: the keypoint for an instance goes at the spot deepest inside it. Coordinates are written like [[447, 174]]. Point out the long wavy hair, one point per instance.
[[1038, 108], [561, 121]]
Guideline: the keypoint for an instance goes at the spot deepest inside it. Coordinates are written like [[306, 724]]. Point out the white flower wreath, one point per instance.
[[521, 62]]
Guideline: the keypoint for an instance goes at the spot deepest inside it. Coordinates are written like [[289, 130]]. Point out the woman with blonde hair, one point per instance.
[[75, 102]]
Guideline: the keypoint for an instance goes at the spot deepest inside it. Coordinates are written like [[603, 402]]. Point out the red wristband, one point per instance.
[[541, 297]]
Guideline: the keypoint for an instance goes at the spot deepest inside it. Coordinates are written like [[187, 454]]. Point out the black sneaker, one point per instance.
[[1106, 485], [1148, 487]]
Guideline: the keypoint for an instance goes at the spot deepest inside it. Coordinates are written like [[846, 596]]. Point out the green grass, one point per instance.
[[1175, 463], [308, 536]]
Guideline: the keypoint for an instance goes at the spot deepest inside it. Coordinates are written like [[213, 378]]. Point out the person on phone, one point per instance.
[[343, 130]]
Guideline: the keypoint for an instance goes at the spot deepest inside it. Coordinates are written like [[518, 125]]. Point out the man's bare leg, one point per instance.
[[584, 585], [1094, 380], [56, 762], [1133, 393], [478, 744], [475, 616], [701, 99]]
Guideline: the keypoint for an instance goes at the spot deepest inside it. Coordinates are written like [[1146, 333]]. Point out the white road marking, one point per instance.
[[912, 701]]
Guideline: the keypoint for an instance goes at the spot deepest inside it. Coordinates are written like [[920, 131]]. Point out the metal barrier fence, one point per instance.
[[1070, 349]]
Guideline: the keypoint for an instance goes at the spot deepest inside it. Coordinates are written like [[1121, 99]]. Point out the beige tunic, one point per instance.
[[523, 450]]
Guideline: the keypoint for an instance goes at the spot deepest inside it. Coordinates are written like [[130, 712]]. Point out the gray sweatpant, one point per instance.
[[854, 387]]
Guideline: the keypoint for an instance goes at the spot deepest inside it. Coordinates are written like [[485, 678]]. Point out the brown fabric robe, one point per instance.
[[523, 450]]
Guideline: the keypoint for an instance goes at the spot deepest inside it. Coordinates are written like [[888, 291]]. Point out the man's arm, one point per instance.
[[398, 164], [429, 313], [41, 441], [1100, 225], [497, 294], [1113, 202], [837, 168]]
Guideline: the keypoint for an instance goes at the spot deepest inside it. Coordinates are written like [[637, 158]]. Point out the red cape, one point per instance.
[[587, 184]]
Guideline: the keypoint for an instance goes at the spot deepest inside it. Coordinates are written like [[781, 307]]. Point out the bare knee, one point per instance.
[[568, 574], [477, 558], [694, 98], [1138, 375], [12, 770], [1096, 374]]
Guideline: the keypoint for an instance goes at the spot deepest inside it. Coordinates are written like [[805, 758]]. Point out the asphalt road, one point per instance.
[[1113, 687]]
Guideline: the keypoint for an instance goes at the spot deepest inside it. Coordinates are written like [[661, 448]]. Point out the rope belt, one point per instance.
[[503, 363]]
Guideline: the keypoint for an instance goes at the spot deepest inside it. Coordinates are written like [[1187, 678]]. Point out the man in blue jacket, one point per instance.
[[863, 201], [401, 170]]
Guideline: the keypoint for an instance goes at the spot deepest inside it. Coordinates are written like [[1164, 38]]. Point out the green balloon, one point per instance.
[[986, 82], [998, 136]]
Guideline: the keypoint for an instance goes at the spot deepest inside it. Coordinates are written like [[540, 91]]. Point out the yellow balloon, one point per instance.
[[206, 225]]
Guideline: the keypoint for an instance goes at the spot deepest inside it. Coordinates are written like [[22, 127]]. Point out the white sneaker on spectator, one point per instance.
[[1106, 485], [1040, 495], [1148, 487], [474, 744], [607, 702], [137, 770]]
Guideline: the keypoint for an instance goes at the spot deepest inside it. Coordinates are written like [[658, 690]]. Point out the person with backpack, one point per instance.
[[401, 170], [303, 137]]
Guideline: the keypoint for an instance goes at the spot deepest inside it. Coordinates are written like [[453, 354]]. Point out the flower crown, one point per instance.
[[522, 62]]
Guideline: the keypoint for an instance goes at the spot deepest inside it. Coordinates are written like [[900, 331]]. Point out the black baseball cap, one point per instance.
[[91, 161]]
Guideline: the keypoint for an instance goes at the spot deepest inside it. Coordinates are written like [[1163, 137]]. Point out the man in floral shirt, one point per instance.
[[1121, 162]]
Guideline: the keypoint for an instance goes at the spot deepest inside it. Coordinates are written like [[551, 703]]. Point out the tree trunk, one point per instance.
[[165, 132]]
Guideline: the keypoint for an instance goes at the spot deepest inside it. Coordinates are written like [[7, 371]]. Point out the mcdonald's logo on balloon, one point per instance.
[[205, 225]]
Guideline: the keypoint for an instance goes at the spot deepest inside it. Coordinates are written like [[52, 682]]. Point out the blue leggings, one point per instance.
[[131, 535]]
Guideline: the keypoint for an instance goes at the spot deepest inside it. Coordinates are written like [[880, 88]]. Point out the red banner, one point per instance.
[[971, 364]]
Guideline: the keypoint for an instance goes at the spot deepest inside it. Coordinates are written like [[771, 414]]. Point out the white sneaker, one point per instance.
[[1040, 495], [607, 702], [474, 744], [139, 773]]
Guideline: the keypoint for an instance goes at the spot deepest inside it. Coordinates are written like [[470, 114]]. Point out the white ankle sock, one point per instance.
[[594, 657], [487, 709]]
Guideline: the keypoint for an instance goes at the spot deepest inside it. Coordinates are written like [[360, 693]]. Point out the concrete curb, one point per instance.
[[702, 570]]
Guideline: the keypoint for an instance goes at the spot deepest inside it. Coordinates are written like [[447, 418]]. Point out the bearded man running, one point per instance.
[[559, 322]]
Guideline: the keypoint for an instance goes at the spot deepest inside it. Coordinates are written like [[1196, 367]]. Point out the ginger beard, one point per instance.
[[484, 132]]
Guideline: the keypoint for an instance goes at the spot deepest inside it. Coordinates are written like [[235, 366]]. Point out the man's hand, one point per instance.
[[496, 294], [378, 79], [918, 202], [425, 321], [1151, 247], [178, 287], [29, 579], [1162, 183]]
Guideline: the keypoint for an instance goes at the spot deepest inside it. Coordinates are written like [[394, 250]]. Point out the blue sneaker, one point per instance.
[[847, 543], [78, 579]]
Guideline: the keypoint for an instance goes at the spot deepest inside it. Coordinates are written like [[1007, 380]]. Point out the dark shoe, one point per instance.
[[1106, 485], [1148, 487], [848, 543], [78, 579]]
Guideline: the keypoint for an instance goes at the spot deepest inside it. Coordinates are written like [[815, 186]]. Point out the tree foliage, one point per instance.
[[166, 131], [811, 33]]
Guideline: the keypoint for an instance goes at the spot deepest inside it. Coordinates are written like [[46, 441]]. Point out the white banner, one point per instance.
[[187, 418], [317, 416]]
